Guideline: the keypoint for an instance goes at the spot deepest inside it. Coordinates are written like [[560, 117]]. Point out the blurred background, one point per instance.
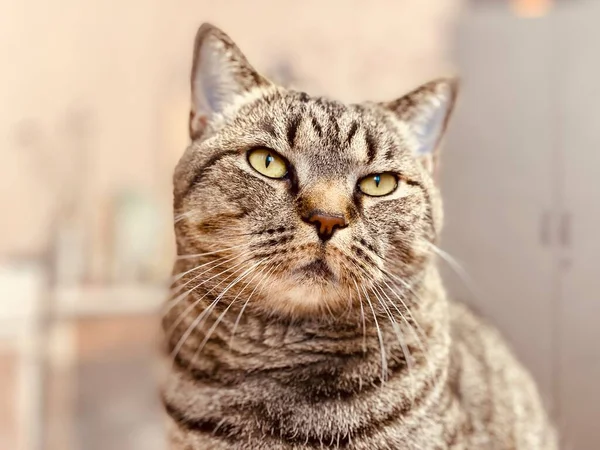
[[93, 116]]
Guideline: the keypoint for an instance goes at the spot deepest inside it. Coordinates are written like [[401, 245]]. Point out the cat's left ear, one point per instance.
[[426, 111], [220, 75]]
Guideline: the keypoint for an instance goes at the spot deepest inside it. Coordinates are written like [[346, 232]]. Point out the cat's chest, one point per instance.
[[307, 413]]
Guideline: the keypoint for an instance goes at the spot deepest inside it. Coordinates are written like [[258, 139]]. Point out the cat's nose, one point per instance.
[[325, 223]]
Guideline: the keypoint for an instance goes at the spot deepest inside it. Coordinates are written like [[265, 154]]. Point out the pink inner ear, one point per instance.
[[426, 110], [429, 125], [220, 72]]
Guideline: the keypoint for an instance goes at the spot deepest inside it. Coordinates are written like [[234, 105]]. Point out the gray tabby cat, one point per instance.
[[307, 309]]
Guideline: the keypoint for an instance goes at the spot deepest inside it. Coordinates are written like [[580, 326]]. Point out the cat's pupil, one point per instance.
[[268, 160], [377, 179]]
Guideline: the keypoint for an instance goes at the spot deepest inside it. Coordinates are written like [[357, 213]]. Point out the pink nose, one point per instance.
[[326, 223]]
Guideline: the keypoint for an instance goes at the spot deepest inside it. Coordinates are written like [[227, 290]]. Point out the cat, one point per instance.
[[307, 309]]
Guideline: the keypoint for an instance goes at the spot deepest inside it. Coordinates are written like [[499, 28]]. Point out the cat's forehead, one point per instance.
[[326, 133]]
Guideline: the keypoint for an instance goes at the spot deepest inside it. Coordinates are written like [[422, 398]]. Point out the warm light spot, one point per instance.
[[531, 8]]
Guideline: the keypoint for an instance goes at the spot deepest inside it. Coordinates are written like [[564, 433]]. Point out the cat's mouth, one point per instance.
[[318, 269]]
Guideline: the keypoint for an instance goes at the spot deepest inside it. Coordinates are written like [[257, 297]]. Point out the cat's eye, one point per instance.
[[378, 184], [268, 163]]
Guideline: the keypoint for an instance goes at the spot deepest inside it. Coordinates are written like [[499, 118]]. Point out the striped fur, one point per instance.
[[275, 339]]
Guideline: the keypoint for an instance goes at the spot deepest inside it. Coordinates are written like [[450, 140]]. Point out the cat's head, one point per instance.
[[304, 203]]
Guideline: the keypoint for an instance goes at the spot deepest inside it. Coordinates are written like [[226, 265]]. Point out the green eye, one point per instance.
[[268, 163], [378, 184]]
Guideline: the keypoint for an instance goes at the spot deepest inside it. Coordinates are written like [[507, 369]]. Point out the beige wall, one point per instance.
[[93, 100], [122, 67]]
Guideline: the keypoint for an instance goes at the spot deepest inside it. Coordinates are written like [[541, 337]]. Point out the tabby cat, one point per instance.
[[307, 310]]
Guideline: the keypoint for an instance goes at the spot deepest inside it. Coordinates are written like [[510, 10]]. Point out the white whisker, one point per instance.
[[410, 362], [192, 305], [180, 275], [457, 268], [379, 336], [181, 286], [222, 315], [259, 284], [199, 318], [364, 326], [407, 356], [418, 327], [362, 310], [397, 330], [198, 255]]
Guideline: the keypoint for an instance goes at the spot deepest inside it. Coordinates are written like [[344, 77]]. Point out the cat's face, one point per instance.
[[308, 204]]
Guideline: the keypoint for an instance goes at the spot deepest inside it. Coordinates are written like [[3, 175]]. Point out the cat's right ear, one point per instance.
[[220, 74], [426, 111]]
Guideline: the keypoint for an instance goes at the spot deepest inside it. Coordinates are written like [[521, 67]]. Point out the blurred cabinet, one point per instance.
[[578, 57], [521, 173], [498, 181]]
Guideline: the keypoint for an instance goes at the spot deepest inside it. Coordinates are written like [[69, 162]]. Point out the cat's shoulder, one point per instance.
[[468, 322]]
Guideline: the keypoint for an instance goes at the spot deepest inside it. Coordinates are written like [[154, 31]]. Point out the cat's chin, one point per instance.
[[307, 299], [317, 271], [310, 286]]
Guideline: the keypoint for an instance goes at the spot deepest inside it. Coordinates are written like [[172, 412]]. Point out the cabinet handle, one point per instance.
[[565, 229], [545, 228]]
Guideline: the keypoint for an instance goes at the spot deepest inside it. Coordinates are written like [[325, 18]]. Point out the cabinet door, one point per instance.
[[579, 315], [497, 179]]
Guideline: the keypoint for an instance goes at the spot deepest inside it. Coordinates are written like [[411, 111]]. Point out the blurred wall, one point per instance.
[[93, 116], [95, 96]]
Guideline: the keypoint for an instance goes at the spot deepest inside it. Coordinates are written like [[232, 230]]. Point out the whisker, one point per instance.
[[176, 301], [408, 311], [379, 336], [198, 255], [364, 327], [420, 338], [418, 327], [407, 356], [180, 287], [448, 258], [362, 312], [259, 284], [180, 275], [179, 217], [222, 315], [195, 303], [329, 311], [405, 350], [198, 319], [267, 233], [457, 268]]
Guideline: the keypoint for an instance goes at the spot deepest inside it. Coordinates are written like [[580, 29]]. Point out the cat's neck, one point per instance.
[[255, 343]]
